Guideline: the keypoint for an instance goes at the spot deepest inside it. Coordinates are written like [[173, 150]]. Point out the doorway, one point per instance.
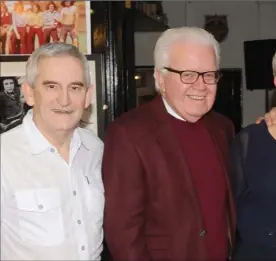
[[229, 96]]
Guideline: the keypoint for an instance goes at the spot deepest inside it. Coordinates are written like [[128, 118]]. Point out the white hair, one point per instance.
[[181, 34], [54, 50], [274, 64]]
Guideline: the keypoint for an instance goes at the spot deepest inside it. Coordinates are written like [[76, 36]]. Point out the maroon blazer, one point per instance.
[[152, 212]]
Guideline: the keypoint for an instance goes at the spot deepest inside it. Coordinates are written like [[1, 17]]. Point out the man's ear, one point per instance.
[[89, 95], [28, 93], [275, 81], [159, 78]]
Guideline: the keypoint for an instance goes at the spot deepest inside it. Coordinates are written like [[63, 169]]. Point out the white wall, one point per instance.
[[247, 20]]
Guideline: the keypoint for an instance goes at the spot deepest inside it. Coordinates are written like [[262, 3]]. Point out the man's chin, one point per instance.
[[194, 116], [66, 127]]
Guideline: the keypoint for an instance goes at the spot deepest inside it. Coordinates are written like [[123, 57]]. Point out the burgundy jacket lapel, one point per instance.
[[173, 153], [219, 137], [222, 136]]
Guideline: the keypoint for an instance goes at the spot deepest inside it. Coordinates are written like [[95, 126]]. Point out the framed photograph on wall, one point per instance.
[[94, 116], [13, 106], [40, 22], [12, 100]]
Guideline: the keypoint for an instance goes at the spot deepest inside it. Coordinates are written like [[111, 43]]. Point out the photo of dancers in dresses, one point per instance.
[[25, 25]]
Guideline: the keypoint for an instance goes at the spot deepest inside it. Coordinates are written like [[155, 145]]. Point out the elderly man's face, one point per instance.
[[8, 85], [59, 96], [190, 101]]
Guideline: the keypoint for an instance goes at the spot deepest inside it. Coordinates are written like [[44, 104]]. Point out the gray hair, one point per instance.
[[274, 64], [53, 50], [181, 34]]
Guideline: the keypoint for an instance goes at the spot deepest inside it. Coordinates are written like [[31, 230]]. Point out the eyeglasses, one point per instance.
[[189, 77]]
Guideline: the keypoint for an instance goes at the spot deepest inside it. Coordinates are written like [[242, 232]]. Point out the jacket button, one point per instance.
[[202, 233]]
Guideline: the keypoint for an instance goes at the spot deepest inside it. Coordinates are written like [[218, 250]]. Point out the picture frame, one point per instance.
[[94, 116], [12, 100], [145, 84], [53, 27]]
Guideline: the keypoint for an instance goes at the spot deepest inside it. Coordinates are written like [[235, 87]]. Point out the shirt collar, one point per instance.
[[39, 143], [170, 110]]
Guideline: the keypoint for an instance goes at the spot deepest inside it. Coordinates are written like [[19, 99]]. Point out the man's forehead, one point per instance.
[[57, 65], [63, 70], [8, 81], [58, 58], [195, 54], [48, 77]]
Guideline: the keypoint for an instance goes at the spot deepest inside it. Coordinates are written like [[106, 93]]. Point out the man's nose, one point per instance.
[[64, 98], [200, 84]]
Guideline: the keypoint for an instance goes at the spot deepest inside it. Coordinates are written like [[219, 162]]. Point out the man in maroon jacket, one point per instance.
[[168, 194]]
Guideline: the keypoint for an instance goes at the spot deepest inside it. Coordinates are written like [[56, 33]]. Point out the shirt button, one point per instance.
[[83, 248], [79, 221], [40, 206], [202, 233], [74, 193], [52, 150]]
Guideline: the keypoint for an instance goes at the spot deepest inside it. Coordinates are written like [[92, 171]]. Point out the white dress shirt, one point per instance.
[[50, 209], [170, 110]]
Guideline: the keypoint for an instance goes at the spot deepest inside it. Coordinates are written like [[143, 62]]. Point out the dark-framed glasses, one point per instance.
[[189, 77]]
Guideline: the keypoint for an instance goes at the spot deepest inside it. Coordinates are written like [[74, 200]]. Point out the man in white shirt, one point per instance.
[[52, 196]]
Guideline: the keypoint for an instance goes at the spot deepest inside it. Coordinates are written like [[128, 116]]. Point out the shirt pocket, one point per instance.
[[40, 217]]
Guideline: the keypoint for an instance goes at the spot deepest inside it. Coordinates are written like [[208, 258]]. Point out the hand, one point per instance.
[[3, 127], [270, 117], [18, 36]]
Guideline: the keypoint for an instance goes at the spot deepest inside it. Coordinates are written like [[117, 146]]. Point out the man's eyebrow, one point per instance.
[[77, 83], [72, 83], [49, 82]]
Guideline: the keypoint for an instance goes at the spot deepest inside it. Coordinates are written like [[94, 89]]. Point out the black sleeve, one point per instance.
[[238, 153]]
